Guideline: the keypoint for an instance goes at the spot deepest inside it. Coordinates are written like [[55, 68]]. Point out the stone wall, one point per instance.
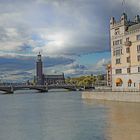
[[112, 96]]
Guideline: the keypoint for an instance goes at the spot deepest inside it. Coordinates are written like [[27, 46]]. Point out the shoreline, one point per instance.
[[112, 96]]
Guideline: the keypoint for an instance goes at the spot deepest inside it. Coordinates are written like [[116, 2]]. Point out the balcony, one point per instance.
[[128, 43]]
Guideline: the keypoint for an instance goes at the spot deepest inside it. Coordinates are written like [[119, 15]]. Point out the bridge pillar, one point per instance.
[[44, 89], [10, 90]]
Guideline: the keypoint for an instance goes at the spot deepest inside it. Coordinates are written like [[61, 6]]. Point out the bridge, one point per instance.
[[12, 88], [41, 88]]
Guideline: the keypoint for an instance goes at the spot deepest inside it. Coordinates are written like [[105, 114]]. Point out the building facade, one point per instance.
[[125, 53], [109, 75], [54, 79], [41, 79]]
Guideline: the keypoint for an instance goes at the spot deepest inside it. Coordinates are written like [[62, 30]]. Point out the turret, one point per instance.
[[137, 18], [112, 21], [124, 18]]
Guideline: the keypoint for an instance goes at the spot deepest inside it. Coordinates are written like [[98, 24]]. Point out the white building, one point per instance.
[[125, 53]]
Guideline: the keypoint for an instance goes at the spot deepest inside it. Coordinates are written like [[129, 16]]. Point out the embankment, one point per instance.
[[112, 96]]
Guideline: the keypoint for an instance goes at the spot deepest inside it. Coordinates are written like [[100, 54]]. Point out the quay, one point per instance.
[[125, 96]]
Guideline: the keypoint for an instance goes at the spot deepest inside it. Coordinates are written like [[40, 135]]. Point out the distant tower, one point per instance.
[[39, 70]]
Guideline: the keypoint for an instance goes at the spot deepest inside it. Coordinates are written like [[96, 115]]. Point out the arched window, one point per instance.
[[119, 82], [129, 83]]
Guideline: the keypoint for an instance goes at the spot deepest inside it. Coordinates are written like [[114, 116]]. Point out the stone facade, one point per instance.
[[125, 53], [109, 75]]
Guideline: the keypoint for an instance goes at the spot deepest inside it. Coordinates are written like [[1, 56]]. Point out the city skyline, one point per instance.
[[72, 36]]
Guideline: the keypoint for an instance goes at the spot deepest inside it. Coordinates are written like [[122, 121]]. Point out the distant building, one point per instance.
[[54, 79], [101, 80], [42, 79], [39, 70], [109, 75], [125, 53]]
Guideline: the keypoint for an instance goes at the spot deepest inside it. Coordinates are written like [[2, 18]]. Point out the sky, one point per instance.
[[72, 36]]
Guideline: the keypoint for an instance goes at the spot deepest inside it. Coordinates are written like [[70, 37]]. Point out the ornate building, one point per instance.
[[125, 53], [42, 79]]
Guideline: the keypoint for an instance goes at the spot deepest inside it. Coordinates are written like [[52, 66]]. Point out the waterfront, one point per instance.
[[65, 116]]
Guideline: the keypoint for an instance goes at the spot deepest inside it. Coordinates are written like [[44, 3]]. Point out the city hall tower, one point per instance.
[[39, 70]]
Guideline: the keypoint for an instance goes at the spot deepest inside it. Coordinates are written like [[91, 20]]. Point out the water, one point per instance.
[[65, 116]]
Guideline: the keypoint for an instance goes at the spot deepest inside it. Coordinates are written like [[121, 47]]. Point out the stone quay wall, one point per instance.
[[112, 96]]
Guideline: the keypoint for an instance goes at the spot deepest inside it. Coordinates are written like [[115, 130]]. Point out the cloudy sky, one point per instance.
[[72, 35]]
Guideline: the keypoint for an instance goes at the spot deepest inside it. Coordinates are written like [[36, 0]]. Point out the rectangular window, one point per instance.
[[118, 52], [121, 51], [120, 41], [128, 59], [138, 48], [138, 57], [117, 42], [138, 69], [127, 50], [128, 70], [134, 84], [118, 61], [127, 39], [118, 71], [138, 37]]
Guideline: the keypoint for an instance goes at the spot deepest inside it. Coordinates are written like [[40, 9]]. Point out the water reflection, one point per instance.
[[123, 119]]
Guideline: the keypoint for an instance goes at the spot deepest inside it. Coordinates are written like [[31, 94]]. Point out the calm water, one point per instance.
[[65, 116]]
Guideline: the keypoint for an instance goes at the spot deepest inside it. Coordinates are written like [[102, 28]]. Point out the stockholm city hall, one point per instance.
[[42, 79]]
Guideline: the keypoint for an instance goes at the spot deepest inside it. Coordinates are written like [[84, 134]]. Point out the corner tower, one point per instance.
[[39, 70]]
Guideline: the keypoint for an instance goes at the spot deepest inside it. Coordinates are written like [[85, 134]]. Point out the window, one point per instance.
[[138, 69], [117, 31], [134, 84], [138, 48], [129, 82], [118, 71], [128, 70], [138, 37], [117, 42], [127, 50], [128, 59], [127, 39], [120, 41], [118, 61], [119, 82], [113, 43], [121, 51], [118, 52], [138, 57]]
